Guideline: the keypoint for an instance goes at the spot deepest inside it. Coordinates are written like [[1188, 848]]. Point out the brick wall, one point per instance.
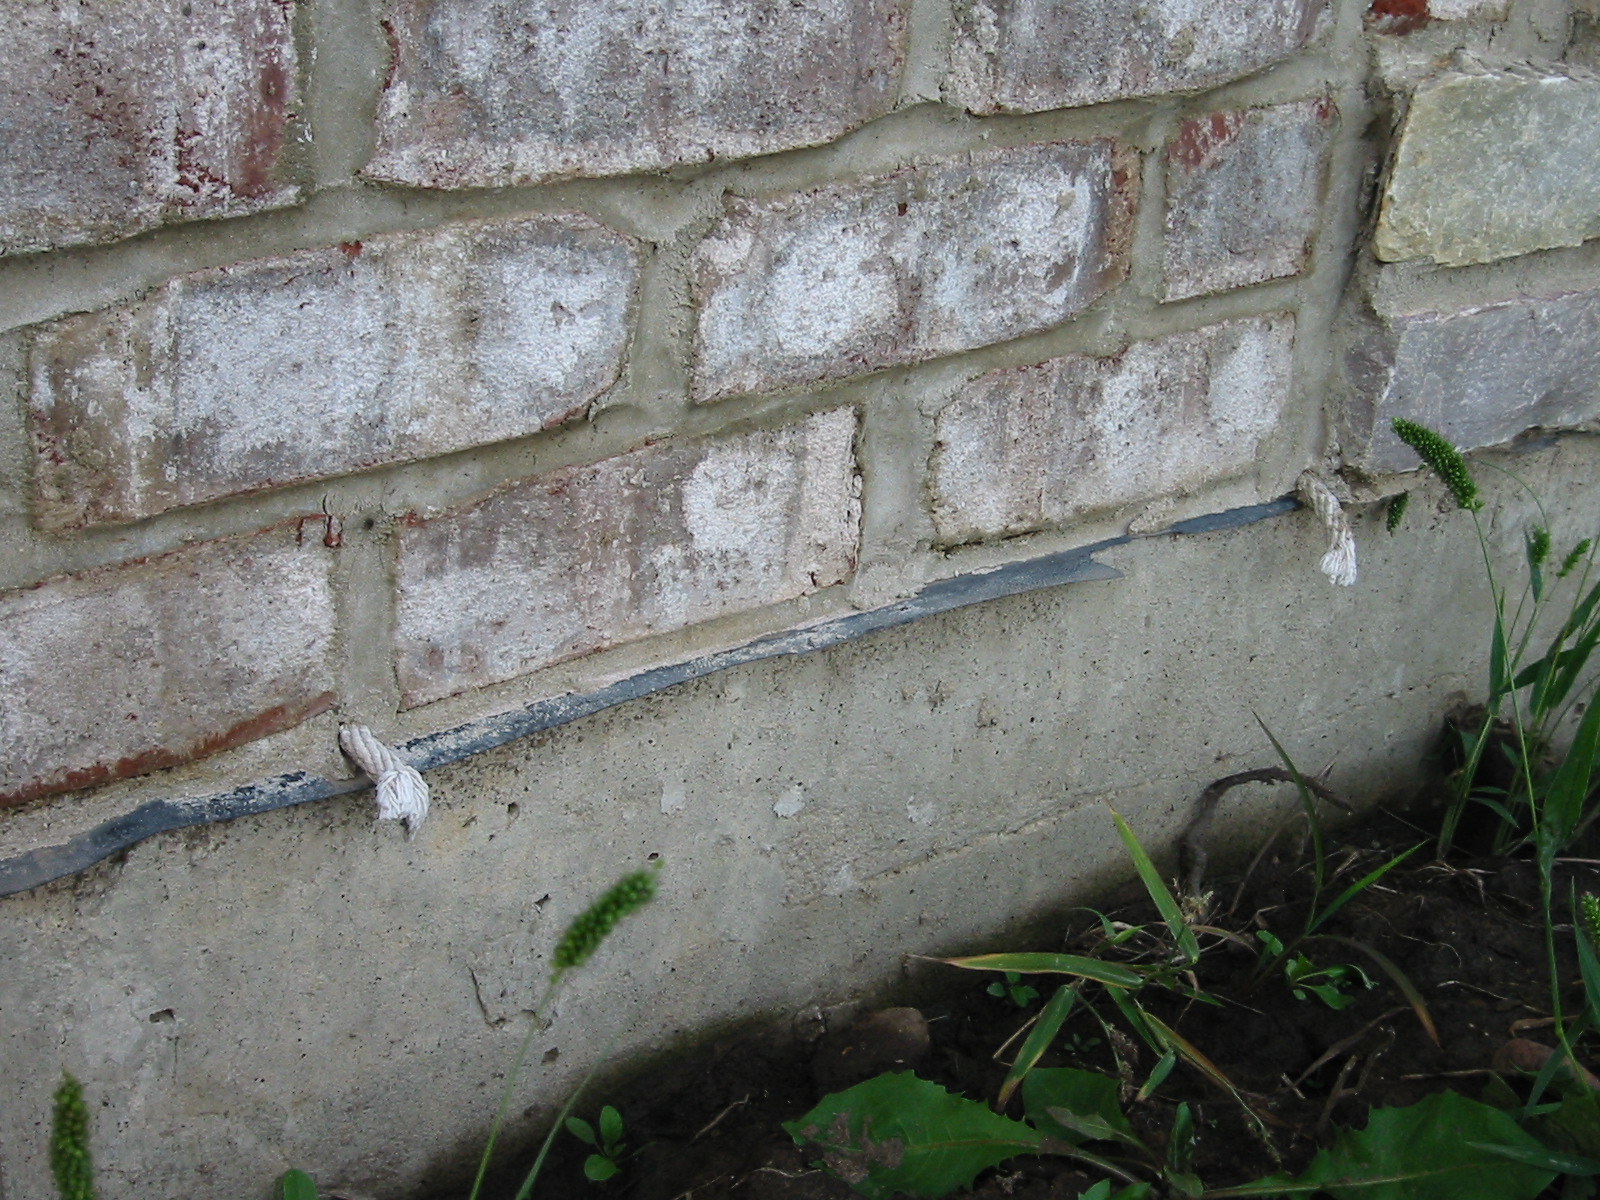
[[406, 365]]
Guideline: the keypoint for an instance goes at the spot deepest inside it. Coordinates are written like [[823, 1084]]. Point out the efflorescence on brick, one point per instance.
[[929, 261], [267, 373], [149, 664], [655, 540], [1025, 448], [487, 93], [119, 117]]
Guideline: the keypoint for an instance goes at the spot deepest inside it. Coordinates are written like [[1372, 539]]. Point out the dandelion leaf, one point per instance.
[[1447, 1147], [900, 1134]]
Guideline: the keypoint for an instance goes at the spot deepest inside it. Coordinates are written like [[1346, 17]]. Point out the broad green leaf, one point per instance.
[[1102, 1191], [1549, 1160], [597, 1168], [898, 1133], [1572, 1126], [1430, 1151], [582, 1130], [1181, 1141], [1038, 1040], [1076, 1106], [610, 1126], [296, 1185], [1182, 936], [1051, 964]]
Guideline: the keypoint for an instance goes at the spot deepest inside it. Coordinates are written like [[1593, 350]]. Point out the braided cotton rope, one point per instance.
[[1339, 563], [402, 796]]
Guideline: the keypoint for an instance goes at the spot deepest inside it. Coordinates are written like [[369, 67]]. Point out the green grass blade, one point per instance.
[[1038, 1040], [1110, 974], [1359, 886], [1308, 802], [1569, 787], [1163, 899]]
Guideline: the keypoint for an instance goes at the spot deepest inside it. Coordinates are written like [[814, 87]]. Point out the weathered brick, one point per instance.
[[1024, 448], [119, 116], [1399, 17], [1494, 164], [654, 540], [326, 362], [129, 669], [927, 261], [1032, 55], [1480, 376], [1244, 189], [487, 93]]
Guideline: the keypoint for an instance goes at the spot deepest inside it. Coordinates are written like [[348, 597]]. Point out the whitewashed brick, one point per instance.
[[1480, 376], [1021, 56], [928, 261], [1244, 191], [119, 115], [325, 362], [129, 669], [1494, 164], [651, 541], [1024, 448], [488, 93]]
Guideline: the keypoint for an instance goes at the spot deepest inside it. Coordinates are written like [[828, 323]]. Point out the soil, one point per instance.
[[1466, 933]]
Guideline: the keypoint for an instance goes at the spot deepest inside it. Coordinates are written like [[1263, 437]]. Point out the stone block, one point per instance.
[[1480, 376], [1024, 448], [120, 116], [1244, 190], [129, 669], [1493, 164], [1022, 56], [647, 542], [325, 362], [490, 93], [927, 261]]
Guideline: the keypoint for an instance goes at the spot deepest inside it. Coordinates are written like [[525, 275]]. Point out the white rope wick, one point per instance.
[[402, 796], [1339, 563]]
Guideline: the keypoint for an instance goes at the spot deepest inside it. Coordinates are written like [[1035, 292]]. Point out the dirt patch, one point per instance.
[[1467, 935]]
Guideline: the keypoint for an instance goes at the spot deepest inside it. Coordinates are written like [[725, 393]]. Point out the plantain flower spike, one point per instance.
[[1396, 512], [1589, 917], [583, 937], [1443, 459]]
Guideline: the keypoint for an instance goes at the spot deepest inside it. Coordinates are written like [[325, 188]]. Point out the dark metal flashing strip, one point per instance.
[[35, 867]]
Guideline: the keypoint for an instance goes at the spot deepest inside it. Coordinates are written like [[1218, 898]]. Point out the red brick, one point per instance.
[[1030, 447], [129, 669], [925, 262], [1034, 55], [326, 362], [651, 541], [487, 93], [119, 115], [1244, 191]]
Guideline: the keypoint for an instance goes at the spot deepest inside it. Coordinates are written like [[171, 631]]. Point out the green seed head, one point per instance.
[[69, 1143], [1397, 511], [1538, 547], [1589, 917], [583, 937], [1443, 459], [1573, 559]]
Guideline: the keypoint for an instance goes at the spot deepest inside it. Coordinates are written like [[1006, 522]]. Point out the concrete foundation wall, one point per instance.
[[839, 448]]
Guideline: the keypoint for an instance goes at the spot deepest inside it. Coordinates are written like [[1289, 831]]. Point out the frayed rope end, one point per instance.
[[401, 793], [1339, 563]]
